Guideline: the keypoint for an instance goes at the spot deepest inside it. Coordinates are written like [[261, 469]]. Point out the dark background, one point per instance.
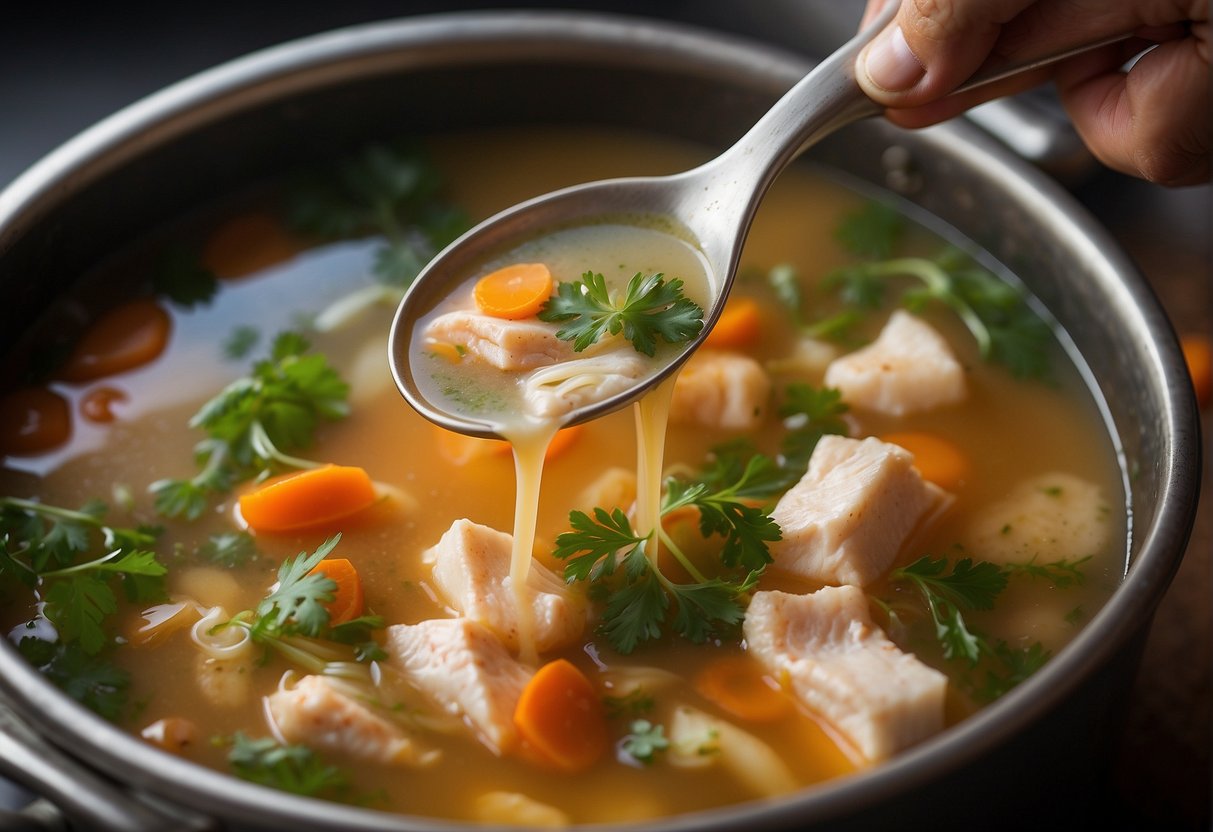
[[63, 67]]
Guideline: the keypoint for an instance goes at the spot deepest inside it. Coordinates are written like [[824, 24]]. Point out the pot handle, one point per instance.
[[74, 792]]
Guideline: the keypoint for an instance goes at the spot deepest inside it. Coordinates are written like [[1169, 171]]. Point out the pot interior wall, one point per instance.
[[117, 201]]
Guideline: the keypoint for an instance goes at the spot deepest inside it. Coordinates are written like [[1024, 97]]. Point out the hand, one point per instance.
[[1152, 120]]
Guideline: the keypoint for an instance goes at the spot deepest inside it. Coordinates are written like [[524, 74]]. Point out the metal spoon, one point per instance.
[[716, 202]]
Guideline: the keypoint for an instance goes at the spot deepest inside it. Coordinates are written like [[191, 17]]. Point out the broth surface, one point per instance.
[[1009, 430]]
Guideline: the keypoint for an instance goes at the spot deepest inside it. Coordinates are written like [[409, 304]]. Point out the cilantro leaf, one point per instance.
[[289, 768], [76, 606], [229, 549], [591, 549], [747, 529], [1062, 573], [651, 308]]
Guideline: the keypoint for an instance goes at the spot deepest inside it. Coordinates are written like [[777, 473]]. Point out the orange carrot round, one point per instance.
[[514, 292], [736, 685], [98, 404], [1198, 353], [309, 499], [247, 244], [347, 598], [739, 325], [938, 460], [33, 420], [560, 717], [125, 337]]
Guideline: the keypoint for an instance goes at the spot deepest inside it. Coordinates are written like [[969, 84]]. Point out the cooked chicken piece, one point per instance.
[[825, 647], [472, 574], [555, 390], [316, 714], [848, 517], [465, 670], [909, 368], [720, 389], [506, 344], [1046, 518]]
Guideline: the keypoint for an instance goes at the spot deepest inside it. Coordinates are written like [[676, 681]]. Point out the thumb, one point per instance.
[[930, 48]]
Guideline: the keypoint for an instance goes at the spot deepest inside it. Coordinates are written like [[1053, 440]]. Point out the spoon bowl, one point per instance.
[[714, 204]]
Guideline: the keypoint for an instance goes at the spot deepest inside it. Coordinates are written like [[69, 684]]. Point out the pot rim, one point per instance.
[[394, 45]]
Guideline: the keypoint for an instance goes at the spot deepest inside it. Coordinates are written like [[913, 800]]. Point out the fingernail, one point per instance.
[[890, 64]]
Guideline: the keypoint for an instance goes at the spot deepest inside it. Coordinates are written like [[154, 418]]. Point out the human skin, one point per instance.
[[1151, 120]]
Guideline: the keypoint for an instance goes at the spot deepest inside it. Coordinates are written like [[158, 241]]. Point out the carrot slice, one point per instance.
[[460, 449], [937, 459], [736, 685], [739, 325], [247, 244], [1198, 353], [561, 717], [33, 420], [98, 405], [517, 291], [308, 499], [126, 337], [347, 598]]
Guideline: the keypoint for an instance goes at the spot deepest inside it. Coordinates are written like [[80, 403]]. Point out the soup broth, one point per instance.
[[1030, 477]]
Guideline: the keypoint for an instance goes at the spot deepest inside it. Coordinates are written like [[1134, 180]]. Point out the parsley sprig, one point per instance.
[[254, 424], [997, 314], [294, 617], [91, 680], [641, 600], [952, 589], [651, 308], [290, 768], [393, 191], [73, 558]]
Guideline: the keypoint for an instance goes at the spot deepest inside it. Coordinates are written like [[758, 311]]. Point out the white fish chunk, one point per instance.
[[1046, 518], [909, 368], [721, 389], [314, 713], [557, 389], [465, 670], [848, 517], [472, 574], [505, 344], [826, 649]]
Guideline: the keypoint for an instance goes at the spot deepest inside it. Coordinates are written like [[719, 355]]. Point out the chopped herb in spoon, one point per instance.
[[651, 308]]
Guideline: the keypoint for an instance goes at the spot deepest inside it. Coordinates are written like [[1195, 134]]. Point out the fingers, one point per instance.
[[931, 47], [1154, 120]]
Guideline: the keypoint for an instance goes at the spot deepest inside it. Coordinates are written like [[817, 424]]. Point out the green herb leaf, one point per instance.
[[1063, 573], [290, 768], [230, 549], [92, 681], [872, 231], [181, 277], [809, 413], [297, 604], [651, 309], [256, 422], [949, 593], [644, 740]]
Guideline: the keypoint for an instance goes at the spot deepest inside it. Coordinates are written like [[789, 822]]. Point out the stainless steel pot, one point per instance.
[[261, 115]]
